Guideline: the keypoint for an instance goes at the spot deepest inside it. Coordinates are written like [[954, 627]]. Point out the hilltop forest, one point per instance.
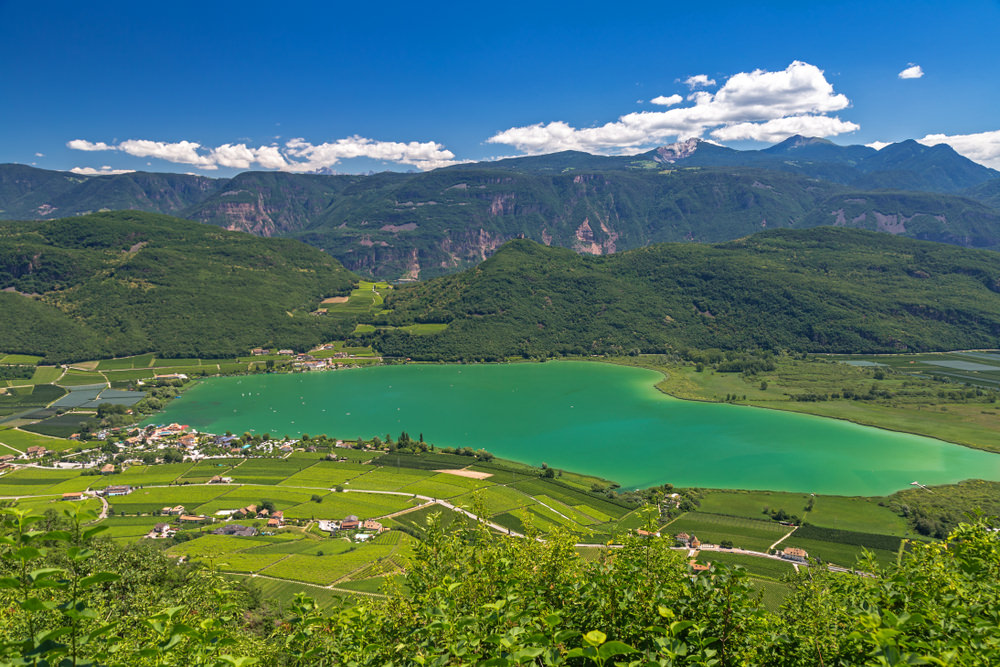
[[112, 284], [115, 284], [817, 290]]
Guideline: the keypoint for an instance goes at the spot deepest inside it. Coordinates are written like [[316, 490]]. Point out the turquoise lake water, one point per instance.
[[587, 417]]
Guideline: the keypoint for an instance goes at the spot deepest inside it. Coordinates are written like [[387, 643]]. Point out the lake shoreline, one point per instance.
[[659, 386]]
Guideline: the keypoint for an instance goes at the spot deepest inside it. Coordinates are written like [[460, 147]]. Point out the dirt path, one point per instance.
[[331, 587], [785, 537]]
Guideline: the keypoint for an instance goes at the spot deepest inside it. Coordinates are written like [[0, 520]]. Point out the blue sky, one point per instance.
[[217, 87]]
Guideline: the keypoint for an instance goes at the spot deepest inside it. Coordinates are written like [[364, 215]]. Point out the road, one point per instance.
[[428, 500]]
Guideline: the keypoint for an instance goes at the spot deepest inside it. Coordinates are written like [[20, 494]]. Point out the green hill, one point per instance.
[[127, 282], [824, 289]]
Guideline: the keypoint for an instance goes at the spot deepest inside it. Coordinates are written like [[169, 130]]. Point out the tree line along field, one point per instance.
[[406, 495]]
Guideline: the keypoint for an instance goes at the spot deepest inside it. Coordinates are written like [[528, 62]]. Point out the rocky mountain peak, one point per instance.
[[677, 151]]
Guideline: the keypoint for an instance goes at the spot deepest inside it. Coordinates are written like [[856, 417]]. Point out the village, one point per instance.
[[123, 448]]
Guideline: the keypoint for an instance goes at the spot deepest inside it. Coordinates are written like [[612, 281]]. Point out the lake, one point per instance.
[[587, 417]]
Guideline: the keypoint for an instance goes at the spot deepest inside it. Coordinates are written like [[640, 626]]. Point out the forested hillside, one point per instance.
[[125, 283], [818, 290]]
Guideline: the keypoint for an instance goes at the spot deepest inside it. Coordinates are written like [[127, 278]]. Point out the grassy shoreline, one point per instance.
[[682, 385]]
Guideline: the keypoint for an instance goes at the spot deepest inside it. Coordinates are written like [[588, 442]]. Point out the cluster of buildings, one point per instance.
[[365, 529]]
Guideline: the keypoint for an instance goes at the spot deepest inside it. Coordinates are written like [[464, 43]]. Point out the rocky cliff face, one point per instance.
[[393, 225]]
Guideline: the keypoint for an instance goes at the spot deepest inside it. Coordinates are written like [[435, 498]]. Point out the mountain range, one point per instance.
[[421, 225]]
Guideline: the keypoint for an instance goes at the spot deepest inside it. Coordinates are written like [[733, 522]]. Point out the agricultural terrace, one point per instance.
[[403, 492]]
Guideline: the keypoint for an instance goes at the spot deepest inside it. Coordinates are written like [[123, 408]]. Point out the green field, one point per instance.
[[26, 399], [363, 302], [285, 591], [151, 500], [74, 378], [267, 471], [144, 475], [417, 519], [443, 486], [45, 375], [327, 569], [767, 568], [33, 482], [19, 359], [714, 528], [141, 361], [326, 474], [340, 505], [389, 479], [751, 504], [424, 329], [21, 440], [858, 514], [495, 499], [60, 426], [845, 555]]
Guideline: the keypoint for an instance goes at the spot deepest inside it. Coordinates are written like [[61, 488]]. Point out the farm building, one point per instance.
[[369, 524], [236, 530], [794, 553]]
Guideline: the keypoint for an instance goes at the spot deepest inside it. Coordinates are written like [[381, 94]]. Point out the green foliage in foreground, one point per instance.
[[475, 598], [114, 284], [819, 290]]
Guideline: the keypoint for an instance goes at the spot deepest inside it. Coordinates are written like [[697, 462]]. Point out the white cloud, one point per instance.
[[39, 154], [667, 101], [84, 145], [983, 147], [103, 171], [781, 128], [424, 156], [183, 152], [270, 157], [912, 72], [799, 96], [699, 81], [879, 145], [297, 155]]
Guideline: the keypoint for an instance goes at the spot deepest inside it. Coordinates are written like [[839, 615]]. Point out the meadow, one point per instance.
[[750, 534], [922, 394]]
